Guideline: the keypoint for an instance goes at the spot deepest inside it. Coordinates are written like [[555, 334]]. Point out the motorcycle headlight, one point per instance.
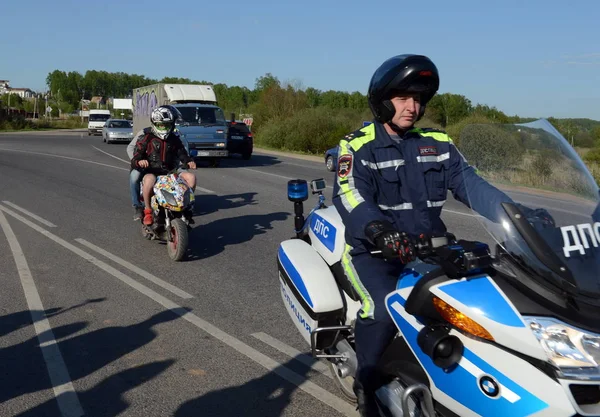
[[574, 351]]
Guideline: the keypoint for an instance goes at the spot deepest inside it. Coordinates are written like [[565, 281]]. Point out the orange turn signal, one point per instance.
[[458, 319]]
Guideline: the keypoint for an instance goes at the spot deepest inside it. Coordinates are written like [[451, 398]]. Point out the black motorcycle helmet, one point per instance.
[[406, 73]]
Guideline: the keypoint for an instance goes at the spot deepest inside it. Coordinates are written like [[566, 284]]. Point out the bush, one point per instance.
[[491, 148], [426, 122], [455, 130], [541, 166], [593, 156], [311, 130]]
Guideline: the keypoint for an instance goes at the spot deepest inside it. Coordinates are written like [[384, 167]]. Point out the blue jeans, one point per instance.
[[134, 187]]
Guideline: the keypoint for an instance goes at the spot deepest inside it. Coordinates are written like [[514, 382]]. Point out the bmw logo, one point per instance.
[[489, 386]]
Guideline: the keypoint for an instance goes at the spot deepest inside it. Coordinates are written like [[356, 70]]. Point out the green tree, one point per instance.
[[449, 108], [314, 97], [265, 82], [491, 113]]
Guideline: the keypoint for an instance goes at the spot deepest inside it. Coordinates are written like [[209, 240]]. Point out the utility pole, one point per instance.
[[82, 97]]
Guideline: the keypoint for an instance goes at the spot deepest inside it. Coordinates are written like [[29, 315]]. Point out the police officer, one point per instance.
[[391, 183]]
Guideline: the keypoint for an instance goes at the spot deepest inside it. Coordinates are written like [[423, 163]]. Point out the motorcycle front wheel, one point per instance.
[[178, 243]]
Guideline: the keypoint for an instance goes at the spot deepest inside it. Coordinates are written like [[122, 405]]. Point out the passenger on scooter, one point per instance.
[[135, 177], [159, 152], [391, 184]]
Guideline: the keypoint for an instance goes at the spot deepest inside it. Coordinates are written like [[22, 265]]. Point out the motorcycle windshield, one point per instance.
[[544, 214]]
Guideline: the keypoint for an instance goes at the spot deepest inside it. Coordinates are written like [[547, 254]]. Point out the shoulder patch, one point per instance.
[[353, 135], [344, 165]]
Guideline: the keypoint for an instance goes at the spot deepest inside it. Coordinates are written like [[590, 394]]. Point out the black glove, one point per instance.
[[392, 243]]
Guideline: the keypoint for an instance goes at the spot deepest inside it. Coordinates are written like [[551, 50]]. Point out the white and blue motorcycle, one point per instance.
[[513, 334]]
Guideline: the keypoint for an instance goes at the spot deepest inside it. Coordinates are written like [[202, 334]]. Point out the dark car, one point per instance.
[[239, 139], [331, 156]]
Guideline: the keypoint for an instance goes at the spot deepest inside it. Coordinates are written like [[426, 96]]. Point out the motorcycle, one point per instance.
[[515, 333], [173, 199]]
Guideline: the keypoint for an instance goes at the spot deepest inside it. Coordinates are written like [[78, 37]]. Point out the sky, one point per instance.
[[532, 58]]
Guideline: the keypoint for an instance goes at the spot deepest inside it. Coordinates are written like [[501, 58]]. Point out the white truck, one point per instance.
[[96, 121], [203, 129]]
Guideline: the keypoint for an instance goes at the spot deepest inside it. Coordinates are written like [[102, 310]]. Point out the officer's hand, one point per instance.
[[396, 245], [192, 165], [143, 163], [392, 243]]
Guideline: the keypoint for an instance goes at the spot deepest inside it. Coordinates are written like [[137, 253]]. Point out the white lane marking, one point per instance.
[[65, 394], [30, 214], [64, 157], [163, 284], [270, 364], [111, 155], [267, 173], [204, 190], [301, 357]]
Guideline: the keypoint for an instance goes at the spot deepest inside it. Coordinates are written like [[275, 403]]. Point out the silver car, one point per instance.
[[117, 130]]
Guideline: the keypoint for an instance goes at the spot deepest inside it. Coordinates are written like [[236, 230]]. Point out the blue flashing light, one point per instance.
[[297, 190]]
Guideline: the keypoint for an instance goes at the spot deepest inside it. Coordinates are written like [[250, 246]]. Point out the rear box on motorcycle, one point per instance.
[[309, 290]]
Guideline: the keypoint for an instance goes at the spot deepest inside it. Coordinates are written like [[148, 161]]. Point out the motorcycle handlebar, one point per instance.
[[425, 246]]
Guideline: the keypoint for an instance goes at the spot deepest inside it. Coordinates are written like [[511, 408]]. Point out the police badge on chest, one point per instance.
[[428, 150]]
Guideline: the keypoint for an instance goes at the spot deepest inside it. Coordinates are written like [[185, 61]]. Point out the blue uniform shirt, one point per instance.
[[404, 182]]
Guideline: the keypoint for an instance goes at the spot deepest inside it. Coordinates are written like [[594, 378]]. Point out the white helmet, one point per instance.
[[163, 120]]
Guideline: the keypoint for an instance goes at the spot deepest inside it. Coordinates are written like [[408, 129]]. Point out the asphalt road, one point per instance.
[[97, 321]]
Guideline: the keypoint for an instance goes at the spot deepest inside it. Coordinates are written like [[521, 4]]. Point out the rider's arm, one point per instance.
[[139, 153], [354, 193], [131, 146], [472, 190]]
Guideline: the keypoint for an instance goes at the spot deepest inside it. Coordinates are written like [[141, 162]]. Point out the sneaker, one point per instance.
[[148, 217], [138, 213]]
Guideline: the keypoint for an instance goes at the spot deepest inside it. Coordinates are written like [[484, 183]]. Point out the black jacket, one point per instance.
[[162, 155]]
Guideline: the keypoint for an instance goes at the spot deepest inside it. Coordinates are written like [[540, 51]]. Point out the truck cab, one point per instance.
[[96, 121], [203, 131]]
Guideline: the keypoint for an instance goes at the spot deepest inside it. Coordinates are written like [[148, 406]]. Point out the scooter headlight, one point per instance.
[[169, 198], [574, 351]]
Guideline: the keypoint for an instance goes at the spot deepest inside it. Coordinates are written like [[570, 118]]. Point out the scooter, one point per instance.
[[171, 203]]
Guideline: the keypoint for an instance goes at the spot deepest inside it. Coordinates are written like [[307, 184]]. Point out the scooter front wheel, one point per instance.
[[178, 242]]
